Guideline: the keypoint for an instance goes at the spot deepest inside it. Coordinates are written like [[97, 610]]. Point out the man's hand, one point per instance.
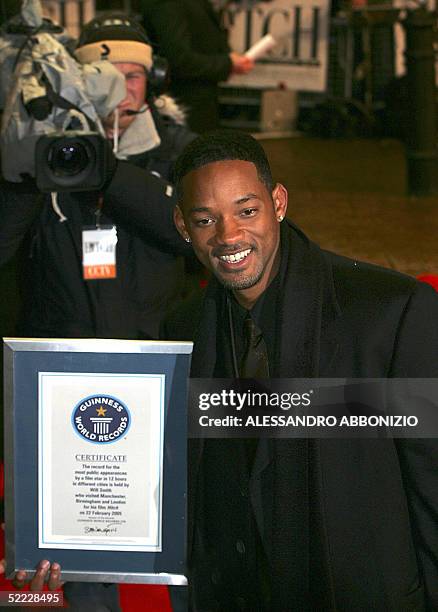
[[241, 63], [45, 572]]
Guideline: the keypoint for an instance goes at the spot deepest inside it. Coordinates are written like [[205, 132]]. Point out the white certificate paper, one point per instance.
[[100, 461]]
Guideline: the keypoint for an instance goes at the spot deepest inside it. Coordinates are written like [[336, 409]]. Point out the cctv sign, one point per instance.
[[300, 27]]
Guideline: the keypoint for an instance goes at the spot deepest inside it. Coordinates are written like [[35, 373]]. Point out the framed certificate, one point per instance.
[[95, 458]]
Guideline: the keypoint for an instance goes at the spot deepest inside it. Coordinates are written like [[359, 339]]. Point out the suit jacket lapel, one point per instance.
[[307, 313], [307, 308], [205, 340], [202, 366]]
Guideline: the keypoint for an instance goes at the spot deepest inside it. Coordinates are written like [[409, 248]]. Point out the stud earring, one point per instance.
[[280, 218], [187, 239]]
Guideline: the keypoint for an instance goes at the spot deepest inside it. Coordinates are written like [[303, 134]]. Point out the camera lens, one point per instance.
[[69, 158]]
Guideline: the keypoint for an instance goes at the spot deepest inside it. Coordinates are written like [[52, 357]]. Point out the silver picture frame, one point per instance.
[[43, 379]]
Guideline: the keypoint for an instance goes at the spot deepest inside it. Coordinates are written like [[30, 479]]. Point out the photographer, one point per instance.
[[146, 134]]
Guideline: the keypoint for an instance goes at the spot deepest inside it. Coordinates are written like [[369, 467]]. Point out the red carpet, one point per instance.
[[431, 279], [136, 597]]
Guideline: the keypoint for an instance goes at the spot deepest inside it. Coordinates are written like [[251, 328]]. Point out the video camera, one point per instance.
[[52, 106], [72, 161]]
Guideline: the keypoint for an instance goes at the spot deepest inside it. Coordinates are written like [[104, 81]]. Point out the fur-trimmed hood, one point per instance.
[[169, 108]]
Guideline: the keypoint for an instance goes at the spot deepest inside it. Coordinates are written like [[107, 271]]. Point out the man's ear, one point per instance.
[[279, 197], [178, 219]]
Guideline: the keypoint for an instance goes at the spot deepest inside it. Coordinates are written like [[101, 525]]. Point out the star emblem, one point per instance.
[[101, 411]]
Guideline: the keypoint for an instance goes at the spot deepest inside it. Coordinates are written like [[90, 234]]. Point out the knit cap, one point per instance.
[[116, 37]]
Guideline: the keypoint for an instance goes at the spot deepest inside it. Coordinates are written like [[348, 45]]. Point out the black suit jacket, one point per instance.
[[376, 499]]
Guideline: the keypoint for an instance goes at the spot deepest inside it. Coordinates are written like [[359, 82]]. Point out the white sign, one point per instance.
[[100, 461], [299, 60]]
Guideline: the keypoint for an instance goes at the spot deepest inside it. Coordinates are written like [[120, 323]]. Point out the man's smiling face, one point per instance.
[[233, 222]]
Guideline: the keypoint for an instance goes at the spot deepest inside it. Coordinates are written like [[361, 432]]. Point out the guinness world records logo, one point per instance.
[[101, 419]]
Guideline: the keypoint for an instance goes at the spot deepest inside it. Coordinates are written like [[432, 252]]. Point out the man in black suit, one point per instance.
[[294, 525]]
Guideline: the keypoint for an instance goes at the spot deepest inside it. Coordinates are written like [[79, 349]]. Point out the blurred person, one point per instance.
[[191, 36]]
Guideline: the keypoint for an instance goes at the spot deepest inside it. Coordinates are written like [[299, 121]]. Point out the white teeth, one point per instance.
[[235, 257]]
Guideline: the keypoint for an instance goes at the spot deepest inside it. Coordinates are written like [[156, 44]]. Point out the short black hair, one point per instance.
[[222, 145]]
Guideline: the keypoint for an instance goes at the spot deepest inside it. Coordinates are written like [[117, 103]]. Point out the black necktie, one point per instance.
[[255, 362]]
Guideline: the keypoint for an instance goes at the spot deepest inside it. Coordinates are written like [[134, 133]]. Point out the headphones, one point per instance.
[[158, 75], [121, 26]]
